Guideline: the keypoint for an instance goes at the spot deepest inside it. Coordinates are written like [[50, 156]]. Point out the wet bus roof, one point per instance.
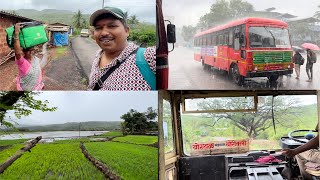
[[249, 20]]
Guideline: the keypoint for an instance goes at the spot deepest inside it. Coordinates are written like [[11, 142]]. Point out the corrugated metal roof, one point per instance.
[[15, 16]]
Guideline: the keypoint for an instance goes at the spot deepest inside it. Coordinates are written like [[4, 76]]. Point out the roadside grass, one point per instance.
[[5, 154], [128, 161], [11, 142], [61, 51], [111, 134], [52, 161], [137, 139]]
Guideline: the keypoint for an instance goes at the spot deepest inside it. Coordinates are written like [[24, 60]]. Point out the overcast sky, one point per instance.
[[90, 106], [144, 9], [188, 12]]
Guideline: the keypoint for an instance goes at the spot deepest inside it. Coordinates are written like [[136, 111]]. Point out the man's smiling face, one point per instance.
[[110, 34]]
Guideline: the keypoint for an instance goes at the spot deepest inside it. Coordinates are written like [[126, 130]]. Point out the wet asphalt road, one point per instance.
[[85, 50], [186, 73]]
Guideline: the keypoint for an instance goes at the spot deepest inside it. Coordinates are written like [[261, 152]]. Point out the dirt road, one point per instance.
[[64, 73]]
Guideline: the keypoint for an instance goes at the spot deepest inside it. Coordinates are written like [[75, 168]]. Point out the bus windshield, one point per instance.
[[241, 132], [268, 37]]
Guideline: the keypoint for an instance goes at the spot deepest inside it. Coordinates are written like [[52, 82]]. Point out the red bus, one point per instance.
[[250, 47]]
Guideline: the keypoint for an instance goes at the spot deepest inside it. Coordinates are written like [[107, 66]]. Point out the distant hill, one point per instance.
[[49, 15], [73, 126]]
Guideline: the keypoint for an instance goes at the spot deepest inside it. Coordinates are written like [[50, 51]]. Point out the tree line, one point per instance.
[[143, 34], [223, 11]]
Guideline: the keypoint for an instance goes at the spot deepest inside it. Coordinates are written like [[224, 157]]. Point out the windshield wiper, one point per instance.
[[274, 39]]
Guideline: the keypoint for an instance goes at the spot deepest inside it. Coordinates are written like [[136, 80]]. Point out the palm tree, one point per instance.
[[133, 20], [126, 15], [78, 20], [317, 14]]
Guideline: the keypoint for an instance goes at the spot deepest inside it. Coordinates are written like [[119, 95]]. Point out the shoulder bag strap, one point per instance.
[[145, 69], [100, 82]]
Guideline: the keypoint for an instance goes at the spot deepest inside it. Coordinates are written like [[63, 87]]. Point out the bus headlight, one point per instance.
[[289, 66], [256, 68]]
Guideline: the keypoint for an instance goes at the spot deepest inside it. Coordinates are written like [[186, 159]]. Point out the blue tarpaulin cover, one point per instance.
[[60, 38]]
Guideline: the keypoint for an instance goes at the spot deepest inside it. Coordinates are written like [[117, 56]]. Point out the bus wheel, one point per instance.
[[273, 78], [236, 77]]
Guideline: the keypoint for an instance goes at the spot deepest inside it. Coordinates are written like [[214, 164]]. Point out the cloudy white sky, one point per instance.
[[90, 106], [143, 9], [188, 12]]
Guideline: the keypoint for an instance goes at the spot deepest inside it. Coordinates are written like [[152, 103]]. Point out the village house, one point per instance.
[[6, 20], [58, 34]]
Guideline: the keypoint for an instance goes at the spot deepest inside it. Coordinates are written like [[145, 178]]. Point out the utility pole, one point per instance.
[[79, 128], [102, 4]]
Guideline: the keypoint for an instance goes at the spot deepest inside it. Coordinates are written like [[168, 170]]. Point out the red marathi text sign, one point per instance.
[[204, 146], [218, 147]]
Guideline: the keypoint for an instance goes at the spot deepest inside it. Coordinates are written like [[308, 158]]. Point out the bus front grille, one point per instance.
[[271, 57]]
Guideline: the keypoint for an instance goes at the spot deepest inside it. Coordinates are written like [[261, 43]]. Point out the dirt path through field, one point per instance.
[[99, 165]]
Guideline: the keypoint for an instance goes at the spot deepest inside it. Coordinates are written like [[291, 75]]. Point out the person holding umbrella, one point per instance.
[[311, 58]]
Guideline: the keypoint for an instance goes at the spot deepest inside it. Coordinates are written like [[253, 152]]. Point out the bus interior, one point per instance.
[[235, 135]]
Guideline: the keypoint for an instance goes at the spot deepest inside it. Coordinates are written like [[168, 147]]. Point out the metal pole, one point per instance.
[[102, 4], [79, 128]]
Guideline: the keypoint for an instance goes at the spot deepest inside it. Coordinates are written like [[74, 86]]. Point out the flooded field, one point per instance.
[[58, 135]]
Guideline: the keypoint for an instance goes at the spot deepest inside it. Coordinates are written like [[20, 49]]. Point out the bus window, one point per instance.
[[242, 36], [237, 35], [167, 127], [214, 41], [206, 41], [225, 38], [249, 130], [269, 37], [220, 40], [230, 42]]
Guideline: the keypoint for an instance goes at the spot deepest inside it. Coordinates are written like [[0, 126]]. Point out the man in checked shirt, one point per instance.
[[114, 67]]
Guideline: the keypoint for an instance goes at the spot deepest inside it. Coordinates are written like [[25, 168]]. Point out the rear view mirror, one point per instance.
[[171, 33]]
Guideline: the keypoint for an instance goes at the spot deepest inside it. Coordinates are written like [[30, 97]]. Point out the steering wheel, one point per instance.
[[295, 138]]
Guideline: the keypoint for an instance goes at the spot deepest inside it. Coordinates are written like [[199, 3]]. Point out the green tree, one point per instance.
[[223, 11], [188, 32], [143, 34], [126, 15], [133, 21], [317, 14], [140, 122], [21, 104], [79, 21], [253, 124]]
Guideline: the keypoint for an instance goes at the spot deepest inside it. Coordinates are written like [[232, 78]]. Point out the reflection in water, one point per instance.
[[56, 135]]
